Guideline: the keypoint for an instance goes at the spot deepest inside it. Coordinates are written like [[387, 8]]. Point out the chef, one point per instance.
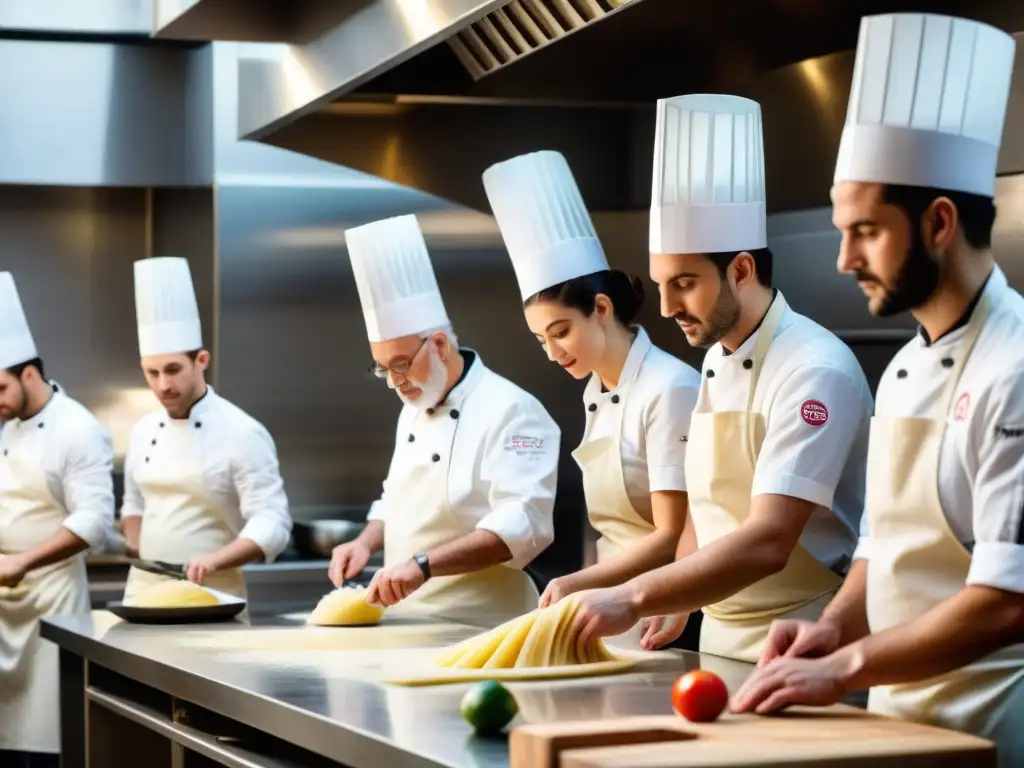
[[932, 615], [469, 497], [638, 398], [56, 502], [777, 442], [202, 483]]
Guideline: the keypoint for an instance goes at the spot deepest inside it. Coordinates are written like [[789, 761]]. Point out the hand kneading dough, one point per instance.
[[542, 638], [174, 594], [345, 608]]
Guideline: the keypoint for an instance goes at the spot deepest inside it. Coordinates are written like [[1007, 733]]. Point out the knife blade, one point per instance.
[[160, 568]]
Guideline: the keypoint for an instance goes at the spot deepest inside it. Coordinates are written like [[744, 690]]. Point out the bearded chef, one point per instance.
[[777, 441], [932, 615], [638, 399], [469, 497], [202, 483], [56, 502]]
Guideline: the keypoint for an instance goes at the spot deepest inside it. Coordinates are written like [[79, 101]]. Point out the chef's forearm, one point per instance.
[[472, 552], [848, 609], [372, 536], [974, 623], [60, 547], [655, 549], [131, 528], [239, 552]]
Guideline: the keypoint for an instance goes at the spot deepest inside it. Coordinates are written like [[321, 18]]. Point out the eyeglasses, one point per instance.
[[400, 369]]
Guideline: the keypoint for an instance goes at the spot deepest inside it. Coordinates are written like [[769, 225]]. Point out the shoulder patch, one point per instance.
[[814, 412]]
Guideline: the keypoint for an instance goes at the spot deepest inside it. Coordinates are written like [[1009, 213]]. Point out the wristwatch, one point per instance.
[[424, 563]]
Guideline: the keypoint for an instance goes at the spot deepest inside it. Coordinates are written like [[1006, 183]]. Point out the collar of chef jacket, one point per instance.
[[464, 388], [201, 408], [637, 352], [747, 348], [58, 392]]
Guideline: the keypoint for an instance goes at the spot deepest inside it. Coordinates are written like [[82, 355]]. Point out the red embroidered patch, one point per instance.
[[814, 412], [963, 405]]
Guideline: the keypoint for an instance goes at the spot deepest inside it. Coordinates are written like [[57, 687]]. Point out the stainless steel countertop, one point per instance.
[[333, 712]]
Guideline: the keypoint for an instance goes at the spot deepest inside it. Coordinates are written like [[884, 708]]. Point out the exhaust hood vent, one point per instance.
[[522, 27]]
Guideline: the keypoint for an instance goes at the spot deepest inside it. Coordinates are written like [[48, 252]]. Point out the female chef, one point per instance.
[[638, 399], [931, 617]]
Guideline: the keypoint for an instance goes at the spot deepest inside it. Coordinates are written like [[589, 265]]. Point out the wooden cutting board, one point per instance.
[[838, 737]]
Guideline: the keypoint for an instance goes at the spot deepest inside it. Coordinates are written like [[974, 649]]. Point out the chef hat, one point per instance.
[[927, 104], [543, 221], [16, 344], [708, 194], [395, 279], [165, 307]]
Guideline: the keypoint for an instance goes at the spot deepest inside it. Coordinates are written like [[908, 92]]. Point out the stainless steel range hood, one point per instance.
[[427, 93]]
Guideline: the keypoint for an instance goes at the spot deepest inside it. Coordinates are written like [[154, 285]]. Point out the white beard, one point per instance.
[[431, 390]]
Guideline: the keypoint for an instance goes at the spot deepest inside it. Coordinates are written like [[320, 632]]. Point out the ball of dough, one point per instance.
[[174, 594], [345, 608]]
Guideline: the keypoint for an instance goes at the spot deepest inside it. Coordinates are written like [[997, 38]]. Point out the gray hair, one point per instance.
[[447, 331]]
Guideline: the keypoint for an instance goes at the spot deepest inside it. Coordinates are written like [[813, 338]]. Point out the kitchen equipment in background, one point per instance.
[[317, 538]]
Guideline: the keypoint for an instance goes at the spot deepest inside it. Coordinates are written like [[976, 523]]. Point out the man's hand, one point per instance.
[[787, 681], [199, 568], [12, 570], [347, 561], [605, 612], [557, 589], [800, 639], [659, 631], [390, 586]]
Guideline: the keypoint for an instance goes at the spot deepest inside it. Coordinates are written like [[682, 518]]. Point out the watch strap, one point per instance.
[[424, 563]]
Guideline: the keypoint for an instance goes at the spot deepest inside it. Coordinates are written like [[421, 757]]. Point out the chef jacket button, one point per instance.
[[412, 438], [154, 441], [5, 451], [147, 459], [435, 458], [615, 398], [947, 362], [711, 374], [454, 414], [592, 407], [430, 411], [748, 364], [161, 425], [41, 425], [199, 425], [901, 374]]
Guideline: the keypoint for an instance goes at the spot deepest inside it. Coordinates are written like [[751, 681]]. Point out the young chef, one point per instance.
[[939, 575], [56, 501], [777, 442], [202, 484], [638, 399], [469, 496]]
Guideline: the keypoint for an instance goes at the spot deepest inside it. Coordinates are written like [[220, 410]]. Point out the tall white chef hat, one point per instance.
[[708, 194], [543, 220], [16, 344], [927, 104], [395, 279], [165, 307]]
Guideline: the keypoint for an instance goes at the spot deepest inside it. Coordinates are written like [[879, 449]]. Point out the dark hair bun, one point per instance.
[[627, 295]]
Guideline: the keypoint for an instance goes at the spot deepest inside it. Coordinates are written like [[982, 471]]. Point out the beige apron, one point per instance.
[[720, 461], [609, 508], [29, 673], [418, 519], [916, 562], [181, 518]]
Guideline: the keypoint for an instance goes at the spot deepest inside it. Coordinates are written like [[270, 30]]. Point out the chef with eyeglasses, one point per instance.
[[469, 496], [56, 502], [931, 617], [203, 487]]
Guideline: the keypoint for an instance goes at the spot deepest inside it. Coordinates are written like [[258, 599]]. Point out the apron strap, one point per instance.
[[764, 340], [974, 326]]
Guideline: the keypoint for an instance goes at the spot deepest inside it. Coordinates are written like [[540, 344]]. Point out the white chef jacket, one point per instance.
[[77, 456], [817, 406], [240, 466], [502, 460], [657, 393], [981, 464]]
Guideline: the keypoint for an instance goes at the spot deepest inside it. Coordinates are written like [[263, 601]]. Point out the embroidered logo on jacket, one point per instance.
[[963, 405], [522, 445], [1009, 431], [814, 412]]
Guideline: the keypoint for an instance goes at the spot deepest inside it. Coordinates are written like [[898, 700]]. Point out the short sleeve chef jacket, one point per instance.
[[657, 393], [817, 406], [77, 457], [501, 448], [981, 464], [240, 467]]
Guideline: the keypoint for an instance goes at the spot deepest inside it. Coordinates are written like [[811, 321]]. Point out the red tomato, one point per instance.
[[699, 696]]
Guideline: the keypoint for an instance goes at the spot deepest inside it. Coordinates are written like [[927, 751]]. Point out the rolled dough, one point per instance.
[[174, 594], [346, 607]]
